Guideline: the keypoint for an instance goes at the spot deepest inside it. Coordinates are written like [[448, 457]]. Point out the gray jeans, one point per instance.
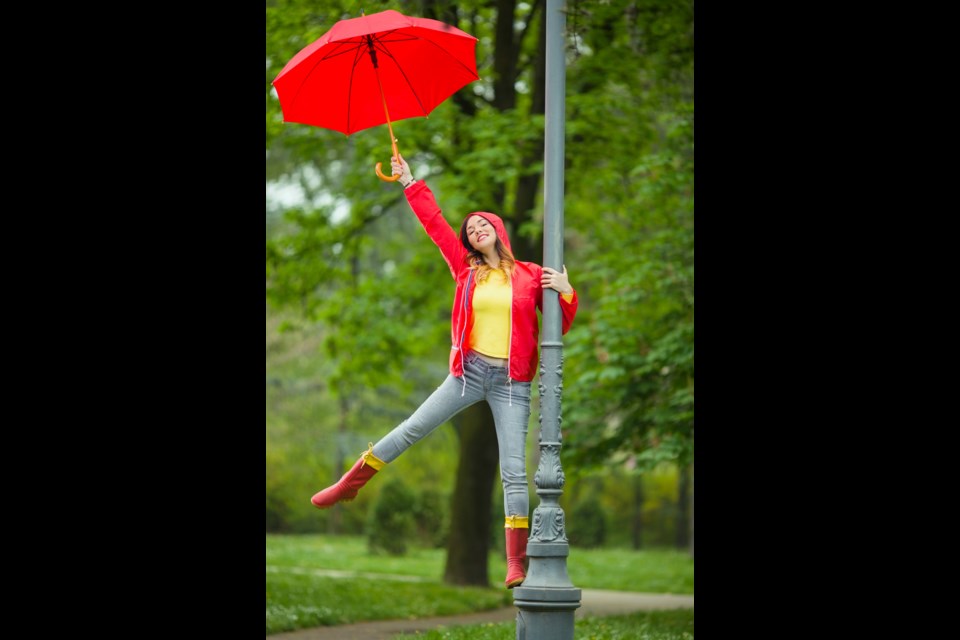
[[510, 405]]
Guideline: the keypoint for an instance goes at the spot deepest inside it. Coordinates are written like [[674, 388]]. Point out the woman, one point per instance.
[[494, 355]]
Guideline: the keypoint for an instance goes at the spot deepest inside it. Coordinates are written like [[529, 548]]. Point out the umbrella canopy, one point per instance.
[[370, 70]]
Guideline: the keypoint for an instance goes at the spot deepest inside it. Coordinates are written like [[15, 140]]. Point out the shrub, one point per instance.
[[587, 526], [432, 520], [390, 524]]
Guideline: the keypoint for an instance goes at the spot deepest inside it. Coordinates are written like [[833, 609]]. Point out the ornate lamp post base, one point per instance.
[[548, 615], [546, 599], [546, 612]]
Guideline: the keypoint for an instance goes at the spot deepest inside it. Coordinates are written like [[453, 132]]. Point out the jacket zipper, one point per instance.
[[463, 331], [510, 345]]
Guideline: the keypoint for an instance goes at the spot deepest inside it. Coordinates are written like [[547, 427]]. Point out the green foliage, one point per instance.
[[390, 525], [296, 408], [588, 527], [431, 517], [638, 508], [629, 213]]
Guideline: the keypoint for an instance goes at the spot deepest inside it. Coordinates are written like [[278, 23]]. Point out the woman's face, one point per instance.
[[480, 234]]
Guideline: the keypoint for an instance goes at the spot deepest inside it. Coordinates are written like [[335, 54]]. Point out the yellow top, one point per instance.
[[491, 316], [492, 298]]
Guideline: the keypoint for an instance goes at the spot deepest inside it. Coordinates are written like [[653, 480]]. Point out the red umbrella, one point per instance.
[[365, 70]]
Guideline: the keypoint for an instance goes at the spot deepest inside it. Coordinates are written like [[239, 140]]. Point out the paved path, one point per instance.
[[593, 602]]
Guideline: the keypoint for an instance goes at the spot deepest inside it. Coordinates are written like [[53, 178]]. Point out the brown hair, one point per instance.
[[484, 270]]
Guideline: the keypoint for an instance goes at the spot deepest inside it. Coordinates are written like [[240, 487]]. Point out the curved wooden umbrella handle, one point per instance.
[[385, 178], [396, 154]]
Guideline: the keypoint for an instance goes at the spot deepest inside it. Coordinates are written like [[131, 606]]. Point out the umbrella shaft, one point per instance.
[[373, 52], [376, 71], [393, 141]]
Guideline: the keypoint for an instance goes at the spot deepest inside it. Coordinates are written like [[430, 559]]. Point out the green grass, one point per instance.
[[299, 595], [675, 624], [296, 601], [647, 571], [349, 553]]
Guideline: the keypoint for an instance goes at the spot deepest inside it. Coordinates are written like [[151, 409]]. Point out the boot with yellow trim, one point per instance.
[[516, 530], [346, 488]]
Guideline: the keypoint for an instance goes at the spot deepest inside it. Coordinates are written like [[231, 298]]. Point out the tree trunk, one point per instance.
[[506, 55], [691, 510], [637, 524], [683, 508], [336, 515], [531, 248], [469, 539]]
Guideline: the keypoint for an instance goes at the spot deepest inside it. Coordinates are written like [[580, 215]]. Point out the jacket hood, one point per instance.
[[493, 219]]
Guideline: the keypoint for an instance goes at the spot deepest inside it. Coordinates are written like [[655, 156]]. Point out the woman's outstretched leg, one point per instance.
[[450, 398]]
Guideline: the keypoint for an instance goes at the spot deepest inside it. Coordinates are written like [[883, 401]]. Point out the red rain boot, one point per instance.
[[516, 531], [346, 487]]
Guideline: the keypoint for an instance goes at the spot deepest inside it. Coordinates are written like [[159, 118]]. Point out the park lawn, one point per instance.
[[350, 553], [298, 601], [645, 571], [299, 595], [673, 624]]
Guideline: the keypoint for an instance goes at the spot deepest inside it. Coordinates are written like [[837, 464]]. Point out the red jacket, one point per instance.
[[526, 288]]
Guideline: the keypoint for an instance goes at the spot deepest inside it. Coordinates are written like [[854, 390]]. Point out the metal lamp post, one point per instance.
[[547, 599]]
